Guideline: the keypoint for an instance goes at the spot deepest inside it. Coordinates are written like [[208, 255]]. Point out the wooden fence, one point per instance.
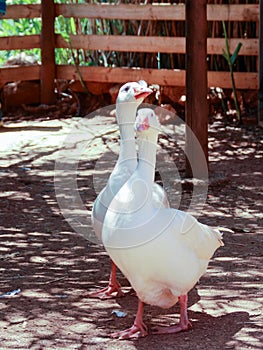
[[48, 41]]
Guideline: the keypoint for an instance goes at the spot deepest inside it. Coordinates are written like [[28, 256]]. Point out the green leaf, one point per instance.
[[226, 56], [72, 26], [235, 54], [226, 37]]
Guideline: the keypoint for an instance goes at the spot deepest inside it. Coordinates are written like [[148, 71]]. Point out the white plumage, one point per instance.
[[162, 251], [130, 96]]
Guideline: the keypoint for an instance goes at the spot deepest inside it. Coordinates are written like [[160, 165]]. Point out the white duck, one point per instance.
[[130, 96], [162, 251]]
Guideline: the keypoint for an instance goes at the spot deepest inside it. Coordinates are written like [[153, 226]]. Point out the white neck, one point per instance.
[[147, 157], [125, 114]]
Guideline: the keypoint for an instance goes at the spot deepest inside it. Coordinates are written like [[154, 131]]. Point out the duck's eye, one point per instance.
[[127, 88]]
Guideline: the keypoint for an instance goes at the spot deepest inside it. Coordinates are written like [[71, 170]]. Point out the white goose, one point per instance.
[[163, 252], [130, 96]]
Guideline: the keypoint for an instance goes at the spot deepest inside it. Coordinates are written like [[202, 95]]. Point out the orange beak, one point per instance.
[[142, 92]]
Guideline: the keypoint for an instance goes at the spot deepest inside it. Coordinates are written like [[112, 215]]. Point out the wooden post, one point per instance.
[[48, 67], [196, 88], [260, 68]]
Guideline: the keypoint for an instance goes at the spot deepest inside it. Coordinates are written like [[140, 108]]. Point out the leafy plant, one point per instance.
[[124, 27], [22, 26], [231, 59]]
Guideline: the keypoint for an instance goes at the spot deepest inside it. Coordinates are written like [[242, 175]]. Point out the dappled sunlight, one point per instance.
[[52, 268], [16, 195], [54, 275]]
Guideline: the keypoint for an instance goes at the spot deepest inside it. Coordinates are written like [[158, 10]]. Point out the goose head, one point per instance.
[[133, 92], [147, 124], [130, 96]]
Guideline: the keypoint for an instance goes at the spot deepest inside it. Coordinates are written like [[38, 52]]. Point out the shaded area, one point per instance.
[[55, 267]]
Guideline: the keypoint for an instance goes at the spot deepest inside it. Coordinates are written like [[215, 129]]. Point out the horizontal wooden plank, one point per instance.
[[245, 81], [120, 75], [155, 76], [124, 43], [152, 44], [22, 11], [161, 12], [16, 73], [250, 47], [123, 11], [231, 12], [20, 42]]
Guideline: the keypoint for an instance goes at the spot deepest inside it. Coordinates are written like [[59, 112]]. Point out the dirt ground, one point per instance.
[[50, 267]]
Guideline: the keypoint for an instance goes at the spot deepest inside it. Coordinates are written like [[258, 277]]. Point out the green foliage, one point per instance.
[[68, 26], [22, 26], [9, 27], [22, 2], [231, 59], [32, 26], [235, 54]]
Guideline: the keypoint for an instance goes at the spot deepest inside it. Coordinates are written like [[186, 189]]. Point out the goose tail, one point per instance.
[[219, 236]]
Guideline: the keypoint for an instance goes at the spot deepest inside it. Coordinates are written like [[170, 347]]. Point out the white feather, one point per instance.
[[162, 251]]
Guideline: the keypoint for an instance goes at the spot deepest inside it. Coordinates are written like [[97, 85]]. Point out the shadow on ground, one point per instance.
[[51, 268]]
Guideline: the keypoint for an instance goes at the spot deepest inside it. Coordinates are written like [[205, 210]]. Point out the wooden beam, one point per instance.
[[154, 76], [196, 148], [121, 75], [48, 67], [243, 80], [250, 47], [22, 11], [132, 43], [15, 73], [118, 75], [125, 43], [233, 12], [161, 12], [18, 42]]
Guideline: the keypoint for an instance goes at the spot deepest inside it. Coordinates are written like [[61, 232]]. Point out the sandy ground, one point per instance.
[[50, 265]]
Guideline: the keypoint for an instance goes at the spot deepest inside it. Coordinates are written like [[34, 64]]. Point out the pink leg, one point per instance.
[[112, 290], [184, 323], [137, 330]]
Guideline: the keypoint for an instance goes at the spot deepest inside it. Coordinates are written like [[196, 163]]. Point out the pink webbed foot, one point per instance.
[[114, 288], [180, 327], [184, 323], [112, 291], [136, 331]]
